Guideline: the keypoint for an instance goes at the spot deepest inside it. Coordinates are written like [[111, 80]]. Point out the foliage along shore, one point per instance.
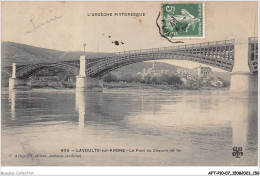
[[114, 85]]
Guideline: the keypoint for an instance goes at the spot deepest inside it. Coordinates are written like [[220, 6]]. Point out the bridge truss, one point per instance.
[[253, 54], [218, 54]]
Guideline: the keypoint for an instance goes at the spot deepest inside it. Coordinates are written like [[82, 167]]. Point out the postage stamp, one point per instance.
[[183, 20]]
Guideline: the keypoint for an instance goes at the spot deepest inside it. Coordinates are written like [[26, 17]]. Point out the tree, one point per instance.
[[174, 80], [127, 78], [147, 79], [137, 78], [165, 78], [110, 78]]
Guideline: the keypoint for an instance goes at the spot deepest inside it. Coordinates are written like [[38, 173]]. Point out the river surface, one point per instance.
[[122, 127]]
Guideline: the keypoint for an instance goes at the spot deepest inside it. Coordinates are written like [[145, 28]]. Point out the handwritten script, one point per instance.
[[36, 26]]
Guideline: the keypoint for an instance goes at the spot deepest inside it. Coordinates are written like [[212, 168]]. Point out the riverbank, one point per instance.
[[115, 85], [122, 85]]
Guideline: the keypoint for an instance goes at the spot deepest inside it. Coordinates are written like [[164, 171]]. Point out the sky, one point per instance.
[[67, 26]]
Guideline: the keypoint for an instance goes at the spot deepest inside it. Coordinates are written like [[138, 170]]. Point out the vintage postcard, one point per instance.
[[167, 83]]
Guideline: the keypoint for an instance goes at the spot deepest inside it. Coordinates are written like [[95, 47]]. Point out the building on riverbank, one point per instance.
[[153, 71], [197, 71], [199, 77]]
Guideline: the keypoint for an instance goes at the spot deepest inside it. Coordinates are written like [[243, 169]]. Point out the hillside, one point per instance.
[[24, 54], [138, 67]]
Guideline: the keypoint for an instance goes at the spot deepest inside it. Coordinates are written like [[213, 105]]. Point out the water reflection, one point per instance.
[[244, 122], [212, 121], [89, 106], [196, 122], [12, 101], [80, 107]]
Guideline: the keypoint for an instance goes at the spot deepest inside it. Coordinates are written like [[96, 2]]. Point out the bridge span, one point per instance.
[[239, 57]]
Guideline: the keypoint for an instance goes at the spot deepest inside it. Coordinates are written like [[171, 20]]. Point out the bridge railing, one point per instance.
[[177, 47]]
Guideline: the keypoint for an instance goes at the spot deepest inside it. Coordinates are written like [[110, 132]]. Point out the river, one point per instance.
[[123, 127]]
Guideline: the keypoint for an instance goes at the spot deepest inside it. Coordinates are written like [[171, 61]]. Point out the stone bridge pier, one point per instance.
[[244, 84], [14, 82], [86, 83]]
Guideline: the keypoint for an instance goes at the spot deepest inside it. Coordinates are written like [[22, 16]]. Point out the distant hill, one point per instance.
[[24, 54]]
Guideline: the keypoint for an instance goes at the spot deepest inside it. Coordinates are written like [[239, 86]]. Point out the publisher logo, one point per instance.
[[237, 152]]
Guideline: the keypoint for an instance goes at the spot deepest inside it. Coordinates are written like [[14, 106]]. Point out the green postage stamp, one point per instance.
[[183, 20]]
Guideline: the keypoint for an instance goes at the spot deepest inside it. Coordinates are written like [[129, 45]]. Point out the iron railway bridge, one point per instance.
[[219, 54]]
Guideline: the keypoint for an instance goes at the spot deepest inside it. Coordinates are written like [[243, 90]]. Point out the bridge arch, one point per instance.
[[217, 54], [29, 70]]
